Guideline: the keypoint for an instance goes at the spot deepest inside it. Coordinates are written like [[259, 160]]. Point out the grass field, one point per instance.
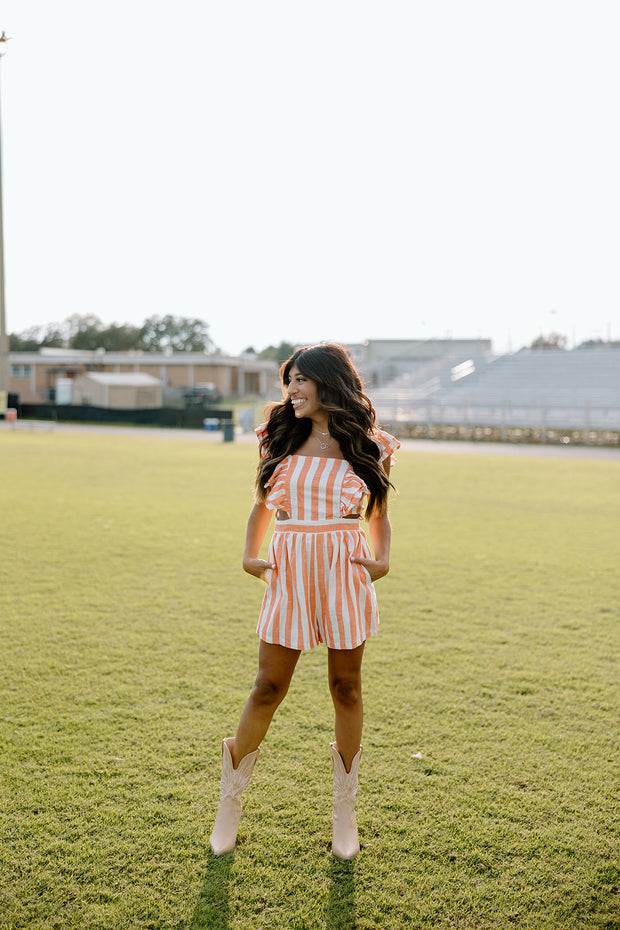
[[489, 783]]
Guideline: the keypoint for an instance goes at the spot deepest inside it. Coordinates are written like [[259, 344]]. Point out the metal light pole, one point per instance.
[[4, 339]]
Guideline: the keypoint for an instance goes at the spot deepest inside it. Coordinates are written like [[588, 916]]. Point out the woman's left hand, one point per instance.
[[376, 568]]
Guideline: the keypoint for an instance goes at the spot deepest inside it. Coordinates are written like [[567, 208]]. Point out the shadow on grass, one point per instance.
[[341, 905], [212, 908]]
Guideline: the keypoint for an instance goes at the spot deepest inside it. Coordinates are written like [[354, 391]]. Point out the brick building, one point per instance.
[[34, 375]]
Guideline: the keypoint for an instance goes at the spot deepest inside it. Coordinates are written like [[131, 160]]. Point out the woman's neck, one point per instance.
[[320, 424]]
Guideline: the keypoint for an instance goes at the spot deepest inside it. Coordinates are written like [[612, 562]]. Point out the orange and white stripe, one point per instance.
[[316, 594], [314, 484]]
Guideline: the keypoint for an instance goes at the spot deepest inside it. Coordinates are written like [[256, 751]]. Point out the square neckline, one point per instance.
[[333, 457]]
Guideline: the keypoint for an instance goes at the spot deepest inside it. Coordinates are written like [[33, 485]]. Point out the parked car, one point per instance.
[[201, 395]]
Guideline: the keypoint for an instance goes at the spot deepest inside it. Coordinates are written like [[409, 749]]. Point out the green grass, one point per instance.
[[128, 649]]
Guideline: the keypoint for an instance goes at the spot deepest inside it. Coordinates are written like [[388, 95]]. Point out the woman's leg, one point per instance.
[[276, 665], [345, 685]]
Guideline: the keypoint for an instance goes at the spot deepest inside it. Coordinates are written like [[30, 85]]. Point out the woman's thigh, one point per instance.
[[276, 665], [345, 667]]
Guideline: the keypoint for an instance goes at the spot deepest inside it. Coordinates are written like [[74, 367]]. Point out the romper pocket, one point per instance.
[[366, 573], [362, 551]]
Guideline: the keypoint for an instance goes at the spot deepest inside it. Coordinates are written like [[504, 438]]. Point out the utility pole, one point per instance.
[[4, 339]]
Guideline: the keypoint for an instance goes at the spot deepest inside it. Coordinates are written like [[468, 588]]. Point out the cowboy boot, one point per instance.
[[233, 781], [345, 842]]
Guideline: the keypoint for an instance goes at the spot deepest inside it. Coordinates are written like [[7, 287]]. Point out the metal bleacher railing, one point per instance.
[[532, 390]]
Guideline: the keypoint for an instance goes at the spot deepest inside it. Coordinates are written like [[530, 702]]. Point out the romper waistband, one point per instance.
[[316, 526]]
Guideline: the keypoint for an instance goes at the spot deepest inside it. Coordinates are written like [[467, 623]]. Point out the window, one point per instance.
[[21, 371]]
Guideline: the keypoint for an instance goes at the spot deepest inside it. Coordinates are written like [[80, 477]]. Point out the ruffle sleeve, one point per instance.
[[277, 489], [352, 493], [387, 443], [261, 433]]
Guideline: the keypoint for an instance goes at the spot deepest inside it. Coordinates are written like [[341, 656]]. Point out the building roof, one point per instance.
[[56, 357], [122, 379]]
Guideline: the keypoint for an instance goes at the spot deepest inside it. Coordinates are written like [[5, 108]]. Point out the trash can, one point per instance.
[[10, 415], [228, 429]]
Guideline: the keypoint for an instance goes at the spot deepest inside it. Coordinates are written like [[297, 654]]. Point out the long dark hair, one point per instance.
[[350, 415]]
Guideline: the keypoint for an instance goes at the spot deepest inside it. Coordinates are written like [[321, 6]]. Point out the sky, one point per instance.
[[308, 171]]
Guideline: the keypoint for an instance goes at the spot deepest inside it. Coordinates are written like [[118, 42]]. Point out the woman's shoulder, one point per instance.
[[387, 443]]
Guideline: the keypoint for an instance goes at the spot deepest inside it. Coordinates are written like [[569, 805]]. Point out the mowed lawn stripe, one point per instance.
[[488, 793]]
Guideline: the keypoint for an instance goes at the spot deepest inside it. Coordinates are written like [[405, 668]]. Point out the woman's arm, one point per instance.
[[380, 532], [258, 524]]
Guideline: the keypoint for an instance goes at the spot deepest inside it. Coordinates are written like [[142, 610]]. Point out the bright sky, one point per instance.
[[302, 171]]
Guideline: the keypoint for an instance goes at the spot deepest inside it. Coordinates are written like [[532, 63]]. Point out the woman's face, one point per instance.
[[303, 394]]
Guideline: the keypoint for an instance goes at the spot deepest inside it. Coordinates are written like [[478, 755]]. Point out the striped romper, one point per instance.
[[316, 594]]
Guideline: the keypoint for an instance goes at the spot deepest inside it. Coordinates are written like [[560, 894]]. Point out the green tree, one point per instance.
[[86, 331], [181, 334], [278, 353], [598, 344], [83, 331], [37, 337], [53, 337], [28, 341], [552, 341], [120, 337]]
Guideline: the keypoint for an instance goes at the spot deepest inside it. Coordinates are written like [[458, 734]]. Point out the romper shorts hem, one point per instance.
[[316, 594]]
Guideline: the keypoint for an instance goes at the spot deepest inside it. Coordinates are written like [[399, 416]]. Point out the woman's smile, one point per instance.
[[303, 394]]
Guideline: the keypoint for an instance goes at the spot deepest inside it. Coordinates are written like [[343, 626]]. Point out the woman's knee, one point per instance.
[[276, 665], [269, 690], [346, 690]]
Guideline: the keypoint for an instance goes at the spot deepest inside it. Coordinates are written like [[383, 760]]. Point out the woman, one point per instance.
[[322, 459]]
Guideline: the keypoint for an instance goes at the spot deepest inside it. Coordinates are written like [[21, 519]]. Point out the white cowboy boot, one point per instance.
[[224, 833], [345, 842]]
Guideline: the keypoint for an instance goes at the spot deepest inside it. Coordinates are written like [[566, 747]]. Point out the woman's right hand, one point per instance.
[[257, 567]]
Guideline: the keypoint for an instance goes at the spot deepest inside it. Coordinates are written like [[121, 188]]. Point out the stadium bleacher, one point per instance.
[[533, 388]]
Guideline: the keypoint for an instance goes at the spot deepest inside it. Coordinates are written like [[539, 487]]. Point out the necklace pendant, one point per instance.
[[323, 443]]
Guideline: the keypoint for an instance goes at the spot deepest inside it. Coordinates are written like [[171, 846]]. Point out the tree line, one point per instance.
[[179, 334], [87, 331], [559, 341], [156, 334]]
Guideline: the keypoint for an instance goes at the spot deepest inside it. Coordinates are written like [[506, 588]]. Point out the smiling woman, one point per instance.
[[304, 397], [324, 463]]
